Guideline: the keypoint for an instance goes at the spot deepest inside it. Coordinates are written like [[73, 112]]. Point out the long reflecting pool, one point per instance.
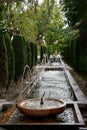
[[54, 84]]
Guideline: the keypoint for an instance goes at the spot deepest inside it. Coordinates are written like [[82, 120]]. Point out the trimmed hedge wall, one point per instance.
[[3, 62], [42, 51], [14, 55], [75, 54], [35, 53], [28, 53], [19, 53], [83, 64], [11, 60]]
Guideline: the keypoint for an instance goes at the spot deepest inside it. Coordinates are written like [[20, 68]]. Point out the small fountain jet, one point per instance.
[[26, 73], [41, 101]]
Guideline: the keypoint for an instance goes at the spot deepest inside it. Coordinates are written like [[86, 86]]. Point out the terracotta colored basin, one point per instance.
[[32, 107]]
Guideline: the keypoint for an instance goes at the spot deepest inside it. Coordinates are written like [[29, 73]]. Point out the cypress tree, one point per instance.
[[25, 51], [28, 53], [42, 51], [35, 54], [32, 54], [11, 60], [3, 62], [18, 46]]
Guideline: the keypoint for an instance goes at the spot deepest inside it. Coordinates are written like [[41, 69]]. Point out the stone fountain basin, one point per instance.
[[32, 107]]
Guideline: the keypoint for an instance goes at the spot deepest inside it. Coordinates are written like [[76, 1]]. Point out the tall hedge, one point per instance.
[[11, 60], [49, 51], [77, 56], [72, 53], [42, 51], [32, 54], [19, 50], [3, 62], [83, 64], [35, 53], [28, 52]]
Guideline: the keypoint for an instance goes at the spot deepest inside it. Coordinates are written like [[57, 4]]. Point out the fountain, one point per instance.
[[60, 88], [38, 107], [26, 74]]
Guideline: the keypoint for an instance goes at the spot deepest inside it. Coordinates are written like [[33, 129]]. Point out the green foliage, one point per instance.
[[11, 60], [72, 54], [83, 64], [28, 53], [32, 54], [42, 51], [76, 13], [35, 53], [33, 48], [54, 28], [77, 57], [47, 20], [69, 47], [3, 63], [2, 15], [70, 9], [19, 48], [22, 20]]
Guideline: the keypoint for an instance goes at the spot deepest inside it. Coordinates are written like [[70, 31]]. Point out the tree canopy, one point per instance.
[[33, 20]]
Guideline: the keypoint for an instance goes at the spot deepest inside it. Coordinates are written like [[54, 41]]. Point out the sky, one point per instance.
[[40, 1]]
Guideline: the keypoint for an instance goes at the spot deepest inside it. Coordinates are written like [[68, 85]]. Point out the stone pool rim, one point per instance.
[[42, 112]]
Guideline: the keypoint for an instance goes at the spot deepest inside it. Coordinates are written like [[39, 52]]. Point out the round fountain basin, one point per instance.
[[32, 107]]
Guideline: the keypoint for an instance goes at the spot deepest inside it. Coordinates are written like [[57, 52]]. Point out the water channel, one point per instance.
[[55, 85]]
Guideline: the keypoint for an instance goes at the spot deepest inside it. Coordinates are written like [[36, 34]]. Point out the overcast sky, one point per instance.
[[40, 1]]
